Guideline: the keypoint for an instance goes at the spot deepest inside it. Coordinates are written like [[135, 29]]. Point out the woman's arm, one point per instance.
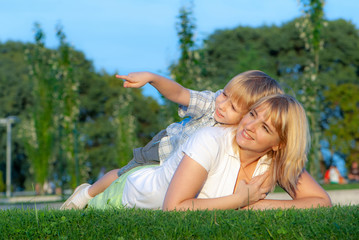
[[188, 180], [309, 194]]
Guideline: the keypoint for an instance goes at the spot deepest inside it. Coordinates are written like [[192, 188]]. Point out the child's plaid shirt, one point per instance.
[[201, 114]]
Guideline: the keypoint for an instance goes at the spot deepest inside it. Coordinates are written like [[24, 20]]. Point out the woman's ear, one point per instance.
[[275, 148]]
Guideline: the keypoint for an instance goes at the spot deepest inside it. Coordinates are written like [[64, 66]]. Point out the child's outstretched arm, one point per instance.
[[167, 87], [188, 181]]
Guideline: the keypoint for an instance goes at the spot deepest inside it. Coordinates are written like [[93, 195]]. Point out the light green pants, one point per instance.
[[112, 196]]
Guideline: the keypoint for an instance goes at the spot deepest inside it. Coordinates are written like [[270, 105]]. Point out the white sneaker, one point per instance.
[[70, 204]]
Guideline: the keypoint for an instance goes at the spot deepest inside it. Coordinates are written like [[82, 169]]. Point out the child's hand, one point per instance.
[[253, 191], [136, 79]]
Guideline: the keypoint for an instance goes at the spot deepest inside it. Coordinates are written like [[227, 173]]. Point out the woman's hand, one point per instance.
[[251, 192], [309, 194]]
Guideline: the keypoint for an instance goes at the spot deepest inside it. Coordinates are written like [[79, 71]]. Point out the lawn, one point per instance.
[[321, 223], [338, 222], [329, 187]]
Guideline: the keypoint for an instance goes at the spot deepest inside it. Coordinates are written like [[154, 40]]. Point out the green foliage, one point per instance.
[[15, 99], [67, 112], [106, 112], [281, 52], [80, 93], [38, 130], [125, 123], [231, 52], [323, 223], [310, 28], [14, 77], [343, 130], [182, 72], [2, 183], [185, 32], [192, 64], [49, 132], [113, 121], [341, 75]]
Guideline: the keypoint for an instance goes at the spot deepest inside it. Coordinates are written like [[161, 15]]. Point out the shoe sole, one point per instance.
[[67, 204]]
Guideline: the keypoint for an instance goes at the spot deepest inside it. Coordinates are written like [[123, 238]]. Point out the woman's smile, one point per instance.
[[245, 135]]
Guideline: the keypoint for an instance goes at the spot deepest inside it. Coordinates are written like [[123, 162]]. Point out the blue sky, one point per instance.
[[137, 35]]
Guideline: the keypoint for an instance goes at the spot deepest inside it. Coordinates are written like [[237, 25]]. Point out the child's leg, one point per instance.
[[85, 192], [100, 185], [147, 155]]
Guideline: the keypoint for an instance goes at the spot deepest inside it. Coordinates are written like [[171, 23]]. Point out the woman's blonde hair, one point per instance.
[[248, 87], [288, 117]]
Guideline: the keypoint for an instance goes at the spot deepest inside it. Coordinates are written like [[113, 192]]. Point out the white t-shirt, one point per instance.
[[212, 148], [199, 113]]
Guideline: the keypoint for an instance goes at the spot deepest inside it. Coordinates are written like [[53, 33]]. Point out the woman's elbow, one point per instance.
[[168, 206], [174, 206], [326, 201], [323, 201]]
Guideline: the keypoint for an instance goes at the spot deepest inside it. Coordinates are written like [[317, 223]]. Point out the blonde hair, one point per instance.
[[288, 117], [248, 87]]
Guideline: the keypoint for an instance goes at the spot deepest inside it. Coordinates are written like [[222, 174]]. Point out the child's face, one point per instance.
[[226, 112], [257, 134]]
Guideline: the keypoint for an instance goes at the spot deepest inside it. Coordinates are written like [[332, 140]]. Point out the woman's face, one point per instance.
[[257, 134]]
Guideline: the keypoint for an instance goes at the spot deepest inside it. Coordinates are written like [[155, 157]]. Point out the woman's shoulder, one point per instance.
[[213, 132]]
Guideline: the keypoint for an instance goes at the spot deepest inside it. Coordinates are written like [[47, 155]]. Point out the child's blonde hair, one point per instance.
[[288, 117], [248, 87]]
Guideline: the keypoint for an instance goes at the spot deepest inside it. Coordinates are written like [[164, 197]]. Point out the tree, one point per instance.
[[343, 130], [281, 52], [192, 66], [277, 50], [343, 83], [310, 28], [67, 112], [16, 100], [182, 71], [97, 95], [125, 123], [38, 131]]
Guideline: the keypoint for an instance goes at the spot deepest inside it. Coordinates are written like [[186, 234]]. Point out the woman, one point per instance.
[[222, 167], [275, 131]]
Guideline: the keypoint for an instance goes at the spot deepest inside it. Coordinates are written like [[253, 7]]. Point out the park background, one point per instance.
[[74, 119]]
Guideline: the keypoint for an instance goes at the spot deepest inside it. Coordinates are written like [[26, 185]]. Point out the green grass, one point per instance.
[[322, 223], [328, 187]]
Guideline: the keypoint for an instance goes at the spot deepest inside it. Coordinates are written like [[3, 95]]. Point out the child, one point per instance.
[[205, 109]]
